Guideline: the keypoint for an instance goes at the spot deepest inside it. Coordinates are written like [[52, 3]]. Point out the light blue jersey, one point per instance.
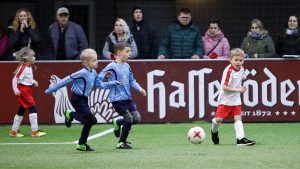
[[123, 74], [83, 81]]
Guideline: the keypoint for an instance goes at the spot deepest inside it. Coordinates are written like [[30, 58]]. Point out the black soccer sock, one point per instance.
[[125, 131], [84, 134]]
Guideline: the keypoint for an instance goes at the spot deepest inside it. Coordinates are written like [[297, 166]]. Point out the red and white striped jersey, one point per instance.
[[231, 78], [25, 75]]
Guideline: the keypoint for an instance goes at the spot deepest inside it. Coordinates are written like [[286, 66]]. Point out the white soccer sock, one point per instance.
[[17, 122], [214, 125], [239, 129], [33, 121]]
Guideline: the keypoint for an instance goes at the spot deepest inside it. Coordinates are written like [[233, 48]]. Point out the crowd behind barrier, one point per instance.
[[182, 39]]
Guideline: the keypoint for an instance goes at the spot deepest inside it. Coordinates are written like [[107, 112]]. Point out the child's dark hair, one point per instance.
[[120, 46]]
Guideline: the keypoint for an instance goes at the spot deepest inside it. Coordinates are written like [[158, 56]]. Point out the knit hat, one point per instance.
[[137, 7]]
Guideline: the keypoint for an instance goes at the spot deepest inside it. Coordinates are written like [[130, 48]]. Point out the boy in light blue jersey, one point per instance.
[[120, 95], [83, 82]]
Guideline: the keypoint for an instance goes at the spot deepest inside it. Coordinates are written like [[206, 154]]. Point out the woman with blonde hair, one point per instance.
[[121, 33], [258, 43], [25, 33]]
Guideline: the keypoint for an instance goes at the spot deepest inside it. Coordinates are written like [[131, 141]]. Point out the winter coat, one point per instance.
[[263, 45], [221, 51], [146, 40], [29, 38], [288, 44], [181, 42], [112, 39], [3, 47], [75, 40]]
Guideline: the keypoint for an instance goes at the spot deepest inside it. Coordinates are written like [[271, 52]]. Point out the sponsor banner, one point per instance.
[[177, 91]]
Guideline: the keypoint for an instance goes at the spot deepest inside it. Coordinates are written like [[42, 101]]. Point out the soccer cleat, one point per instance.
[[84, 147], [122, 145], [15, 134], [68, 118], [117, 129], [215, 137], [245, 142], [37, 133]]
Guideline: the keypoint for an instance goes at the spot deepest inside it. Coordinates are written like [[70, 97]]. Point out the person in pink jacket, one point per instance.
[[216, 46]]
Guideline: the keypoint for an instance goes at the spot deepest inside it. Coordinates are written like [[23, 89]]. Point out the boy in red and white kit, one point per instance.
[[229, 100]]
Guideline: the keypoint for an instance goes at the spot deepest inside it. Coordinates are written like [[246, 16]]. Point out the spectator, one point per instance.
[[3, 44], [216, 46], [144, 35], [288, 42], [24, 34], [258, 43], [182, 40], [121, 33], [66, 38]]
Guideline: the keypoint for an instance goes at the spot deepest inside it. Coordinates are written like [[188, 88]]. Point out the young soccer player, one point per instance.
[[229, 100], [22, 86], [120, 96], [83, 81]]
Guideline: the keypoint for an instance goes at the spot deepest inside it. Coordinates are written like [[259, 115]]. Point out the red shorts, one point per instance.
[[224, 111], [26, 99]]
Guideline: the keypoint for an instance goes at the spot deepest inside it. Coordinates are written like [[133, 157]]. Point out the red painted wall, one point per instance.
[[178, 91]]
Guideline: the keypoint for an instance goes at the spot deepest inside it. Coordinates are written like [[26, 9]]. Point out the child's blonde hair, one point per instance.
[[24, 55], [237, 52], [87, 53]]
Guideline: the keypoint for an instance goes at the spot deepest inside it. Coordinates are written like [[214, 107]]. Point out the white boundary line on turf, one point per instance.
[[103, 133], [35, 143], [57, 143]]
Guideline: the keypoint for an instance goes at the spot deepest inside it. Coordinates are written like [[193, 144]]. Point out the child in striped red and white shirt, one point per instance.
[[22, 87], [229, 100]]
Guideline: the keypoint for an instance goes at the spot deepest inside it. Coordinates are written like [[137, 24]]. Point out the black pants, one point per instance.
[[84, 115]]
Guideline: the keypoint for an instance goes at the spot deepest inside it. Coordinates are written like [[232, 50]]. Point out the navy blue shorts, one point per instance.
[[123, 105], [81, 106]]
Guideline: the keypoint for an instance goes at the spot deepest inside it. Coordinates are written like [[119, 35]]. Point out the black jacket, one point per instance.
[[146, 40], [18, 40]]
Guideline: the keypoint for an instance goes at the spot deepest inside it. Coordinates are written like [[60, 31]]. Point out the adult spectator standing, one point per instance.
[[258, 43], [144, 35], [66, 38], [288, 42], [24, 34], [120, 33], [216, 45], [182, 40]]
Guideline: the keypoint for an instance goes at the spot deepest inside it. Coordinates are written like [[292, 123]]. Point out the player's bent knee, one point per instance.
[[91, 119], [219, 120], [136, 117]]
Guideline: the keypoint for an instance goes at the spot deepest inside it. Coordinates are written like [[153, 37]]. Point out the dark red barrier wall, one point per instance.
[[178, 91]]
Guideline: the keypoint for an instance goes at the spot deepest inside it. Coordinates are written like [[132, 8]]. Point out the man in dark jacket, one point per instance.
[[144, 35], [66, 39], [182, 40]]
